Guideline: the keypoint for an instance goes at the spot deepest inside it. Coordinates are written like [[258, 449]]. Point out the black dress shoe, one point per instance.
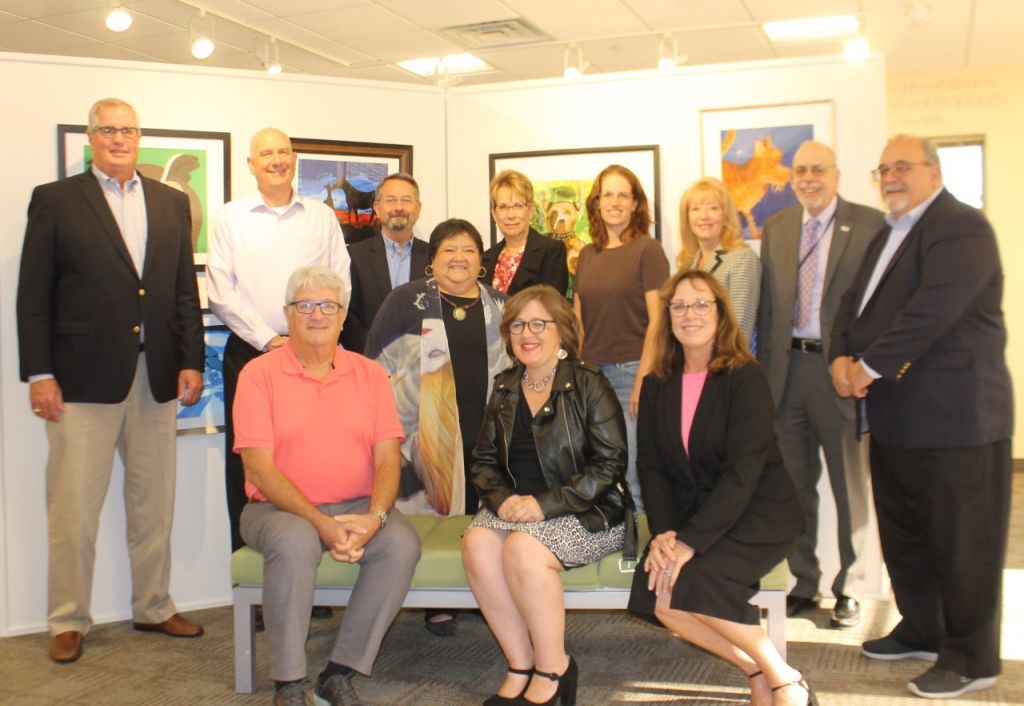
[[846, 613], [798, 604]]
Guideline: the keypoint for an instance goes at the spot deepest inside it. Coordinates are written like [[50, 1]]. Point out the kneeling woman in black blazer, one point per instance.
[[721, 506]]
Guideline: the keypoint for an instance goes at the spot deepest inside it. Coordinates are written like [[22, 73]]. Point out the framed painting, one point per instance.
[[562, 180], [751, 150], [344, 175], [196, 163], [207, 415]]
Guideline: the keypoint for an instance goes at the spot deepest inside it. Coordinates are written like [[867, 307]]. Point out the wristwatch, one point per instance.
[[383, 515]]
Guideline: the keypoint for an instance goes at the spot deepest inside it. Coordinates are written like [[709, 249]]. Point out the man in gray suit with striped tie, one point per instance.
[[810, 254]]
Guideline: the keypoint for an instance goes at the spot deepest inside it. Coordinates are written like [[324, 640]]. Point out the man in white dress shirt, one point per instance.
[[259, 240]]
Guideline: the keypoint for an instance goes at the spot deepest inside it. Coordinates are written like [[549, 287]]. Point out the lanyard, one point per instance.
[[817, 242]]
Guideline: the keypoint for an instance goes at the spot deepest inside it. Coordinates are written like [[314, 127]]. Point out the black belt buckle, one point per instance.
[[807, 345]]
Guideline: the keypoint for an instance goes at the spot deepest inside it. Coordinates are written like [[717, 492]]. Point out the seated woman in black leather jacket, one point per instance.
[[549, 467]]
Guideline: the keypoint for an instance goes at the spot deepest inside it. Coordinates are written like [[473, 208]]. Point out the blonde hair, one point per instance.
[[732, 237], [516, 181]]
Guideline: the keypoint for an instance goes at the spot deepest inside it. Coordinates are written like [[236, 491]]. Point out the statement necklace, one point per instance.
[[538, 385], [458, 311]]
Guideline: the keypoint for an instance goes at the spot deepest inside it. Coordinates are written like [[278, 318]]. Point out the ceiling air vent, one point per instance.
[[501, 33]]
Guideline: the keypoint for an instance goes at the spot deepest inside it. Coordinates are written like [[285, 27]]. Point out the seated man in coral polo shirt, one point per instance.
[[319, 437]]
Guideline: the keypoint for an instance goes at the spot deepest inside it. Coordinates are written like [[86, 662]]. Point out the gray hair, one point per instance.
[[397, 176], [931, 151], [313, 275], [94, 112]]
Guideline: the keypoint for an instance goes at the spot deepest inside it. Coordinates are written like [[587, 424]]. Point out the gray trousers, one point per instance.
[[809, 420], [292, 550]]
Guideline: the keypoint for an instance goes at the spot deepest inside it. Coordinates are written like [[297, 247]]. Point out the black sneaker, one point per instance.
[[336, 691], [942, 683], [888, 649]]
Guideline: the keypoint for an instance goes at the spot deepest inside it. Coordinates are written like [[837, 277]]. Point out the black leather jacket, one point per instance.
[[581, 443]]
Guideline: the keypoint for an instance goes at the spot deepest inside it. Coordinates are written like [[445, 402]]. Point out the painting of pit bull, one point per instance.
[[756, 169]]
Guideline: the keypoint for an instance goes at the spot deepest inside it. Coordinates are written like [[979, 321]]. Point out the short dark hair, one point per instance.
[[557, 307], [449, 229]]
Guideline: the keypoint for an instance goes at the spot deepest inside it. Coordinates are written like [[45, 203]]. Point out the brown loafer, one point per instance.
[[174, 626], [66, 647]]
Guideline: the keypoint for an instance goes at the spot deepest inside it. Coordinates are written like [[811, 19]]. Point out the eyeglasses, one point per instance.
[[128, 133], [817, 170], [535, 325], [394, 200], [306, 306], [701, 307], [504, 208], [899, 169]]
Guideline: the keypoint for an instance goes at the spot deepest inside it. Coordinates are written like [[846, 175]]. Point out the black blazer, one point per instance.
[[732, 481], [81, 304], [371, 284], [544, 262], [934, 330]]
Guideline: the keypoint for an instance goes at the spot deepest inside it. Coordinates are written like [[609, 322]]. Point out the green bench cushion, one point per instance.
[[441, 566]]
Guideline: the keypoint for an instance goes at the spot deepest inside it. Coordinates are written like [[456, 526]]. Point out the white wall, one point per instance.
[[44, 91], [452, 133]]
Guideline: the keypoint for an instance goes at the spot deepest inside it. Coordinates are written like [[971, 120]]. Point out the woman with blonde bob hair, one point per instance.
[[721, 506], [709, 226], [549, 468]]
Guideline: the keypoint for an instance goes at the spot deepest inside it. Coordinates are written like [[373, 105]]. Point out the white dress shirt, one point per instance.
[[254, 249]]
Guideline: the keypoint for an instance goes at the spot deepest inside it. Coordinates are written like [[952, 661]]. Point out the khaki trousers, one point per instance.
[[78, 473]]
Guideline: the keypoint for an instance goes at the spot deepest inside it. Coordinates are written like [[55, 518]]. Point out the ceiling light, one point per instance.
[[438, 66], [201, 34], [811, 29], [668, 55], [118, 18], [268, 55], [573, 63], [918, 12], [856, 49]]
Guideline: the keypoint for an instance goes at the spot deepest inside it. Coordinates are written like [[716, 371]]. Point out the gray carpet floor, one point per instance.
[[622, 661]]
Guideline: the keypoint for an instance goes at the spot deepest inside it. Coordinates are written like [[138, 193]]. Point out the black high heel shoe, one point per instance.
[[812, 700], [498, 700], [567, 681]]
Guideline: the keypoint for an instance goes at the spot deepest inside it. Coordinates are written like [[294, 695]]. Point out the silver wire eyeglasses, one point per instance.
[[701, 307], [898, 169], [535, 325], [129, 133], [306, 306]]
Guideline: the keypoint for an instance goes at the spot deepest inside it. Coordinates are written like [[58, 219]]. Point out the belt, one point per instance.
[[807, 345]]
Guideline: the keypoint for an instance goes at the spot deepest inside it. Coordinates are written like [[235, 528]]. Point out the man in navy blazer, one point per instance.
[[920, 338], [110, 338], [392, 258], [809, 255]]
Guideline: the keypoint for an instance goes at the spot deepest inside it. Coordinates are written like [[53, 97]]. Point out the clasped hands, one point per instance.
[[520, 508], [849, 377], [666, 557], [347, 537]]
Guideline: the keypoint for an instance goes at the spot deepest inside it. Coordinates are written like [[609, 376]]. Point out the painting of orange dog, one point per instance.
[[756, 170]]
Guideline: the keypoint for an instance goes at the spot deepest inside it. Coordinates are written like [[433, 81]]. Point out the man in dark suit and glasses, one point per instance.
[[810, 254], [391, 258], [920, 337], [110, 338]]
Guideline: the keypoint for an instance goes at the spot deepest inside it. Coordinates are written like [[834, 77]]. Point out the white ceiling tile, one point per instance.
[[528, 62], [6, 17], [36, 37], [302, 7], [667, 15], [45, 8], [530, 8], [91, 24], [629, 54], [724, 45], [399, 47], [570, 26], [433, 14], [240, 11], [315, 63], [361, 21], [768, 10]]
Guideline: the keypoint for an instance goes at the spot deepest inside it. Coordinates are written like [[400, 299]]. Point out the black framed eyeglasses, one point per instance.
[[306, 306], [535, 326]]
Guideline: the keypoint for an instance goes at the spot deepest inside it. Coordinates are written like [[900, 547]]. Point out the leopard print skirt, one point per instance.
[[566, 537]]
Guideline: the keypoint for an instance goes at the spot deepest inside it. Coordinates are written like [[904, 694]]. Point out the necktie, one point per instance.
[[807, 272]]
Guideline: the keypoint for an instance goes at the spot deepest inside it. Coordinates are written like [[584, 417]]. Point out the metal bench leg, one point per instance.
[[245, 637], [774, 604]]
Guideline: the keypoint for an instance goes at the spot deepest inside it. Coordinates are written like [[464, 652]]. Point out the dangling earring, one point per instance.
[[429, 270], [483, 272], [562, 354]]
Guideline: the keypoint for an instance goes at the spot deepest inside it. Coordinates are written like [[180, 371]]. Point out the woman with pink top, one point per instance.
[[720, 504]]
